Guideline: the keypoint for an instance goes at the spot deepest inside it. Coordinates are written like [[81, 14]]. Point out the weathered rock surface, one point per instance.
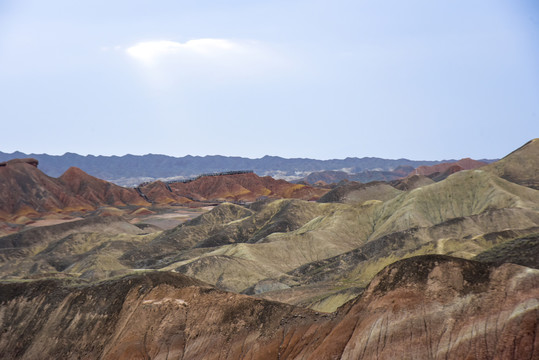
[[433, 170], [357, 193], [243, 187], [411, 182], [430, 307], [26, 191]]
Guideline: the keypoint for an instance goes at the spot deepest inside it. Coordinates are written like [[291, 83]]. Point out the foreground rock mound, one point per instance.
[[433, 307]]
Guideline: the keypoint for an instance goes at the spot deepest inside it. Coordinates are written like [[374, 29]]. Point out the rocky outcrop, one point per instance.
[[437, 307], [30, 161], [25, 191], [355, 193], [239, 187], [99, 192], [447, 168], [432, 307], [411, 182]]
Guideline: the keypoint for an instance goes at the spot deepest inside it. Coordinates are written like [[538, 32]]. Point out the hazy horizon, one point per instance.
[[237, 156]]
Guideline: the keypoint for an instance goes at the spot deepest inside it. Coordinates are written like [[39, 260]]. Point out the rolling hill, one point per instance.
[[521, 166]]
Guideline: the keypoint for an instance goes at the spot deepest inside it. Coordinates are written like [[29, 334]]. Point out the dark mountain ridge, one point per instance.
[[161, 166]]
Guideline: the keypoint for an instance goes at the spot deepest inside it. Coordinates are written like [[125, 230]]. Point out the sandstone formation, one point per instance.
[[438, 169], [26, 191], [411, 182], [356, 193], [99, 192], [161, 193], [240, 187], [30, 161], [425, 307]]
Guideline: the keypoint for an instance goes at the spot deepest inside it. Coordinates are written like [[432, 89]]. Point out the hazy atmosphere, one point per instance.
[[320, 79]]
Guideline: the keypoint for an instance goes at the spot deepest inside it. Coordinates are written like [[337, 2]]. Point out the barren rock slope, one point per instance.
[[430, 307]]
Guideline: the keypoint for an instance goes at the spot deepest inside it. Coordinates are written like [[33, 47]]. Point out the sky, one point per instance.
[[416, 79]]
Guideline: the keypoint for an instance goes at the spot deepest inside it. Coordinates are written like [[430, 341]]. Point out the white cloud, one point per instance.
[[168, 63], [150, 52]]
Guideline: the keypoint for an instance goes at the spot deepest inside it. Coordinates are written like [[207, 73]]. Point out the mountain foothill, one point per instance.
[[429, 261]]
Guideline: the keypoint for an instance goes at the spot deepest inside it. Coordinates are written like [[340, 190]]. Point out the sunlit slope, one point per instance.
[[460, 216], [357, 193], [88, 248], [342, 275], [521, 166], [462, 194], [328, 230], [228, 224], [492, 212]]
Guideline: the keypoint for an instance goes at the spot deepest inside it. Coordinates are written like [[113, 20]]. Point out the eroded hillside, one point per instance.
[[413, 308]]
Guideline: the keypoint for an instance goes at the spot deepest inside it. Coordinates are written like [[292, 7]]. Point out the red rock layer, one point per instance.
[[243, 187], [27, 191], [464, 164], [160, 193], [99, 192], [430, 307]]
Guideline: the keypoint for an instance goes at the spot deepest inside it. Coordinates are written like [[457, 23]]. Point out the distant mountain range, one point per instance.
[[130, 170]]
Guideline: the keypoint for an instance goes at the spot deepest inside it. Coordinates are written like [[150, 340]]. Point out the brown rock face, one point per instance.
[[26, 191], [411, 182], [243, 187], [99, 192], [354, 193], [161, 193], [429, 307], [30, 161], [463, 164]]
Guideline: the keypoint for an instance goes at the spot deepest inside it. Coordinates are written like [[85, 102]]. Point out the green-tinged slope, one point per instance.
[[462, 194], [443, 218], [521, 166], [88, 248], [228, 224], [463, 216]]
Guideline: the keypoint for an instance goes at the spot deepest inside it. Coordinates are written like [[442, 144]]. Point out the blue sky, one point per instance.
[[419, 79]]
